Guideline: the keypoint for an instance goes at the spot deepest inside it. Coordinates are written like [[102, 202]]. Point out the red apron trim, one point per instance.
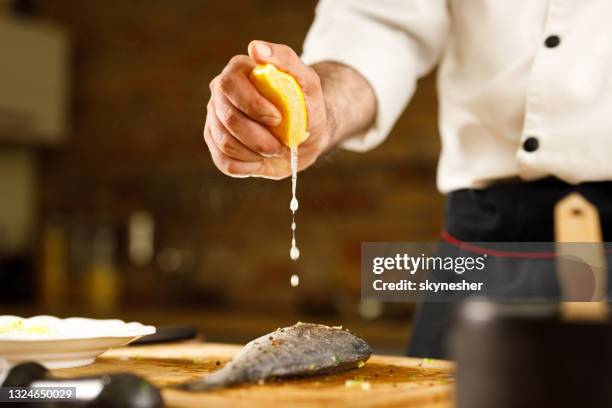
[[492, 252]]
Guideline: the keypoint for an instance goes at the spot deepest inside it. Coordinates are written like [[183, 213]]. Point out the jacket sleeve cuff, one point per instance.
[[381, 56]]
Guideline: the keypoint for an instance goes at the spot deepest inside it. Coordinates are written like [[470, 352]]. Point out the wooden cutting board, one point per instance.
[[394, 381]]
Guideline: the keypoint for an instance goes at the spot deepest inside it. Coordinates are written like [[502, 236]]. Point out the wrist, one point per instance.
[[326, 73], [350, 102]]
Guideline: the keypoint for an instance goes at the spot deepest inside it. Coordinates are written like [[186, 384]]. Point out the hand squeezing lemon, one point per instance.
[[285, 93], [261, 104]]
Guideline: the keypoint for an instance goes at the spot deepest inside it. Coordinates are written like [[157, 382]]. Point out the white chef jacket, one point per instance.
[[525, 87]]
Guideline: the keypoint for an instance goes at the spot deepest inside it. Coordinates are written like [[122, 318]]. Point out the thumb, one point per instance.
[[260, 51], [283, 57]]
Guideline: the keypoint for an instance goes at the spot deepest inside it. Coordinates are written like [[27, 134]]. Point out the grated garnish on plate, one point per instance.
[[18, 326]]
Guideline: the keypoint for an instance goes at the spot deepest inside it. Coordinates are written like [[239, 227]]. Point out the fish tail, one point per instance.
[[210, 382]]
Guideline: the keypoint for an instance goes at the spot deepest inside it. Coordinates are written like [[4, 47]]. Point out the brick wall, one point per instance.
[[140, 85]]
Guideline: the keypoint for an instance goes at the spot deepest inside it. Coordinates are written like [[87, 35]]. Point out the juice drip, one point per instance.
[[294, 253]]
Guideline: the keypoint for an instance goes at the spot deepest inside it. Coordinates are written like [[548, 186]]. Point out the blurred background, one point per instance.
[[111, 207]]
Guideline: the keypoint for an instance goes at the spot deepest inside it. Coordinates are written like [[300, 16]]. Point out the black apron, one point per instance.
[[509, 212]]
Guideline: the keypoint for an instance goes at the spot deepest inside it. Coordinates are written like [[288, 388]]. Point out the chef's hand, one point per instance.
[[237, 115]]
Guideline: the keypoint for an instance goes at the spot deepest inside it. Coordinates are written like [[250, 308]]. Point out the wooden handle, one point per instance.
[[581, 268]]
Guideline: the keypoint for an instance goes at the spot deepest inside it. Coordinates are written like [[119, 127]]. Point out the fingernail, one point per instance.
[[263, 49], [272, 120], [280, 152]]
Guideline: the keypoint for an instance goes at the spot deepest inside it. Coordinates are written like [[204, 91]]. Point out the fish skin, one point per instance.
[[301, 350]]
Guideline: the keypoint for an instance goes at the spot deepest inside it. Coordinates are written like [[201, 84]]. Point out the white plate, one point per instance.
[[63, 343]]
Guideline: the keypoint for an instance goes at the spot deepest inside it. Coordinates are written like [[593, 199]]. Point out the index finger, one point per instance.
[[238, 89]]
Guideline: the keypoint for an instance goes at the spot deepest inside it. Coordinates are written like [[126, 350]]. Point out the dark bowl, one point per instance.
[[525, 355]]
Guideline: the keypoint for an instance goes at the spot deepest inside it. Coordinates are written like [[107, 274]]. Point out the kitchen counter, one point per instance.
[[388, 335], [393, 381]]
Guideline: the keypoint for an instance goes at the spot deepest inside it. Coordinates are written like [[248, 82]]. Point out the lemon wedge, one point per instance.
[[285, 93]]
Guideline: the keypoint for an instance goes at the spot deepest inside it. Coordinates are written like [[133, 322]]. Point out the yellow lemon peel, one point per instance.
[[285, 93]]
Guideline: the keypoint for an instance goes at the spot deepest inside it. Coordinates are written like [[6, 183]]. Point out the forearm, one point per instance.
[[350, 101]]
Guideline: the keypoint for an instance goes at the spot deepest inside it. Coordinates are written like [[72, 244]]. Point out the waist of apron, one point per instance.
[[519, 211]]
